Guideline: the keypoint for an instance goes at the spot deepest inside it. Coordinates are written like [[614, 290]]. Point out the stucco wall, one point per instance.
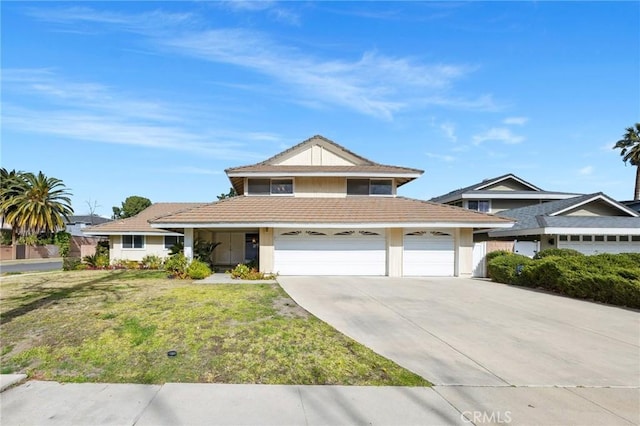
[[320, 187], [153, 245]]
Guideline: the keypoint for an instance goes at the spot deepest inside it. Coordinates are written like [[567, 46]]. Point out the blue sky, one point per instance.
[[157, 99]]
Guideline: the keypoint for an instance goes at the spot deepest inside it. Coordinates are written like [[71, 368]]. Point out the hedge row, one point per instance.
[[608, 278]]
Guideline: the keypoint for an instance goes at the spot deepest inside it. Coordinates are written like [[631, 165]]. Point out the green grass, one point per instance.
[[117, 326]]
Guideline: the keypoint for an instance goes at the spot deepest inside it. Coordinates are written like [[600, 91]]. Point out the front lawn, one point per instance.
[[117, 326]]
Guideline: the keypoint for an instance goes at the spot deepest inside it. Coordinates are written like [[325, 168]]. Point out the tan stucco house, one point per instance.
[[315, 209]]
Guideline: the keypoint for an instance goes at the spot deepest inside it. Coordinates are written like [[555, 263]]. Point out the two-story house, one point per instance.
[[318, 209], [589, 223]]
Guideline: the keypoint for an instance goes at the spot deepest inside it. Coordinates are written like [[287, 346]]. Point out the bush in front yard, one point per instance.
[[493, 254], [506, 268], [176, 265], [608, 278], [198, 270], [560, 252]]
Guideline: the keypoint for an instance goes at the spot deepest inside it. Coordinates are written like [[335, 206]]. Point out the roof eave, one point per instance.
[[284, 224]]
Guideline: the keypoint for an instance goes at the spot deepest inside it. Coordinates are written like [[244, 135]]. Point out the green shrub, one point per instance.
[[493, 254], [198, 270], [507, 268], [608, 278], [70, 263], [63, 240], [245, 272], [176, 265], [151, 261], [560, 252]]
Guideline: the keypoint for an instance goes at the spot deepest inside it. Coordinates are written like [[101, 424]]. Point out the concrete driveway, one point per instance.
[[456, 331]]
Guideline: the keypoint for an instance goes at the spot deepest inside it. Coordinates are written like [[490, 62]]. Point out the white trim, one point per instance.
[[372, 175], [593, 231], [147, 233], [335, 225], [566, 231], [594, 198], [502, 196]]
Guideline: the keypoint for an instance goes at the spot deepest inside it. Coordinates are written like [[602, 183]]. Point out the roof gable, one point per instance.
[[317, 151], [505, 183], [597, 204]]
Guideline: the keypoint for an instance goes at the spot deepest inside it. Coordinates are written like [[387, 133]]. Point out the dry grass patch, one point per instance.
[[117, 326]]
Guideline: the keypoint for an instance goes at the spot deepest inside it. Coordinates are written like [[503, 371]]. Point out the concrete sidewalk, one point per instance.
[[52, 403]]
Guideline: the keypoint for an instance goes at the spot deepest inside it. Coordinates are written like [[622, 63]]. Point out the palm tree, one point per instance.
[[36, 204], [11, 185], [629, 147]]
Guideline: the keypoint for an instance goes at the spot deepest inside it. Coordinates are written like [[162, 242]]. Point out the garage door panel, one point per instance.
[[426, 254], [305, 254]]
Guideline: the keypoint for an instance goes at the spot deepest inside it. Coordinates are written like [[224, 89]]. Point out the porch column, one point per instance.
[[188, 243]]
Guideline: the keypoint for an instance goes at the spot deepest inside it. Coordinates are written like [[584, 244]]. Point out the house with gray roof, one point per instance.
[[591, 223], [500, 193]]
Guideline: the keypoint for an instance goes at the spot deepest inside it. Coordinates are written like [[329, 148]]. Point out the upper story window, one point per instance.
[[133, 241], [369, 187], [270, 186], [479, 205]]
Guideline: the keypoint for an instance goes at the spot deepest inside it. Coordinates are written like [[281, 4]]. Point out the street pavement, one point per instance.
[[31, 265]]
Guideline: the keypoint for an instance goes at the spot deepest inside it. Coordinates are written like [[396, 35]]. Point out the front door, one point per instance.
[[230, 251]]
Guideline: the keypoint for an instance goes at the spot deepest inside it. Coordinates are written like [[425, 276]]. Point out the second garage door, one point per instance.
[[330, 252], [428, 253]]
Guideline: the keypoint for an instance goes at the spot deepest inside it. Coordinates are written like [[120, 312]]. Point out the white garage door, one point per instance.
[[330, 252], [594, 244], [428, 253]]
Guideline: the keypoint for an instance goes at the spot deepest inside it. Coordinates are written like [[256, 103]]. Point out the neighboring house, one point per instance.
[[498, 194], [133, 238], [75, 224], [592, 223], [320, 209], [632, 204]]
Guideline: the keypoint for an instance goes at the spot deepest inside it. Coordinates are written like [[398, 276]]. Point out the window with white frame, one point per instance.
[[369, 187], [133, 241], [483, 206], [172, 240]]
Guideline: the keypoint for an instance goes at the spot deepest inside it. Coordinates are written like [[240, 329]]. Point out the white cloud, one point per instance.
[[446, 158], [586, 171], [499, 134], [372, 84], [96, 113], [519, 121], [449, 130]]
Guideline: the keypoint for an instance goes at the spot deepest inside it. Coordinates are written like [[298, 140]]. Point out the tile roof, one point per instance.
[[350, 210], [140, 222]]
